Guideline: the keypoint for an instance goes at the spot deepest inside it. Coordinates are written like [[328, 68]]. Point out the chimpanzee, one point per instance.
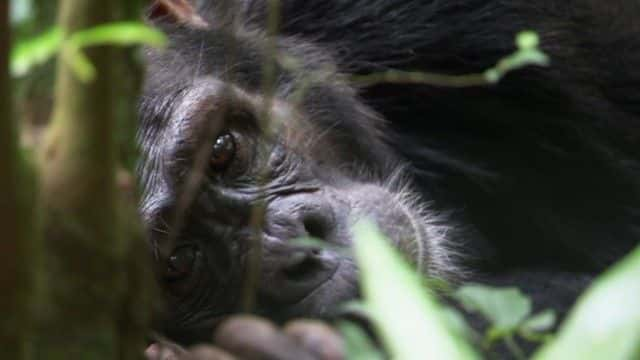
[[252, 138]]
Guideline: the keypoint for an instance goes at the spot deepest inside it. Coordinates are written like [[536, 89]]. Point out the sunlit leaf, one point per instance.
[[605, 324], [409, 320]]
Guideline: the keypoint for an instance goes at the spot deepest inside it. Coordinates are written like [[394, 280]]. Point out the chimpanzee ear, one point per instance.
[[176, 12]]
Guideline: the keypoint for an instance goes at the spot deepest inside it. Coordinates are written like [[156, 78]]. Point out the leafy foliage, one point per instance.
[[604, 324], [417, 328], [30, 53]]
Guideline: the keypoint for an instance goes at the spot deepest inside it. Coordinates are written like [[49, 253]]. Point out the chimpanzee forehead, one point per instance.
[[305, 82], [195, 53]]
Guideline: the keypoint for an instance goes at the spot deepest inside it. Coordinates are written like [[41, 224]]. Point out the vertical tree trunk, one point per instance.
[[95, 309], [17, 219]]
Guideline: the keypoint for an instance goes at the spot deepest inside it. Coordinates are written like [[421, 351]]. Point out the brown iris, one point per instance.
[[224, 149]]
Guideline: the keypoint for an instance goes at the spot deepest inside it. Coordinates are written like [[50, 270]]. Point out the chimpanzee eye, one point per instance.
[[180, 264], [224, 149]]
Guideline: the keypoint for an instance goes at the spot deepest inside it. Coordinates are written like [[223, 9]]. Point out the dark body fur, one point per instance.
[[538, 176]]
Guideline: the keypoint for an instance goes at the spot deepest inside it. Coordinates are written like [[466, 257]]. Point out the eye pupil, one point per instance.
[[223, 151], [180, 263]]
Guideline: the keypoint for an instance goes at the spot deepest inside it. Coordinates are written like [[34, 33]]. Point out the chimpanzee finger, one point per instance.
[[253, 338], [207, 352], [164, 351], [318, 338]]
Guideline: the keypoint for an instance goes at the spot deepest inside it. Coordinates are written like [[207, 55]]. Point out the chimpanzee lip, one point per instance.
[[320, 285]]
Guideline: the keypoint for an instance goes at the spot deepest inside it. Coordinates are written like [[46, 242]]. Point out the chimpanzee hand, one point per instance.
[[249, 337]]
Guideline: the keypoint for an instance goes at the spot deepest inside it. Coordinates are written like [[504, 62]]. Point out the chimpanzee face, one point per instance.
[[233, 175]]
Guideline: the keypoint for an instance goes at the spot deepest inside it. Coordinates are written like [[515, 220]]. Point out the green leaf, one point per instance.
[[358, 346], [527, 40], [355, 307], [505, 308], [458, 324], [308, 241], [528, 54], [31, 53], [605, 324], [540, 322], [37, 51], [410, 321], [79, 63], [118, 33]]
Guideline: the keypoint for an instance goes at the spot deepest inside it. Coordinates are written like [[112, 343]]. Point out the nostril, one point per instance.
[[303, 265], [316, 227]]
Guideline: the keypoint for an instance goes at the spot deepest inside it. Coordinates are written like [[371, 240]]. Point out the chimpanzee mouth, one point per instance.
[[323, 283], [301, 273]]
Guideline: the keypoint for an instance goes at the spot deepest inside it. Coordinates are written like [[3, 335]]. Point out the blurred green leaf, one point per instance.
[[79, 63], [308, 241], [505, 308], [605, 324], [119, 33], [357, 343], [541, 322], [458, 324], [34, 52], [355, 307], [527, 40], [527, 54], [411, 323], [31, 53]]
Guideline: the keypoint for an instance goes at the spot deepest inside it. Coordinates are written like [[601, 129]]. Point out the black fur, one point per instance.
[[539, 175]]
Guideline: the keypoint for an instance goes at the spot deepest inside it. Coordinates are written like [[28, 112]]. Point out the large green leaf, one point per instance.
[[358, 345], [411, 323], [605, 324]]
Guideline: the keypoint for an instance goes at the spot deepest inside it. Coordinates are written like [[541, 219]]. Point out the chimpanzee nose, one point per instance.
[[301, 265], [291, 275], [289, 270]]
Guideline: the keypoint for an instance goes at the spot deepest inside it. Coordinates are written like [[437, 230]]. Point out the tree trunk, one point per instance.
[[96, 267], [18, 256]]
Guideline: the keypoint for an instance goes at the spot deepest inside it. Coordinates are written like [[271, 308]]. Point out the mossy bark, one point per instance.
[[96, 268]]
